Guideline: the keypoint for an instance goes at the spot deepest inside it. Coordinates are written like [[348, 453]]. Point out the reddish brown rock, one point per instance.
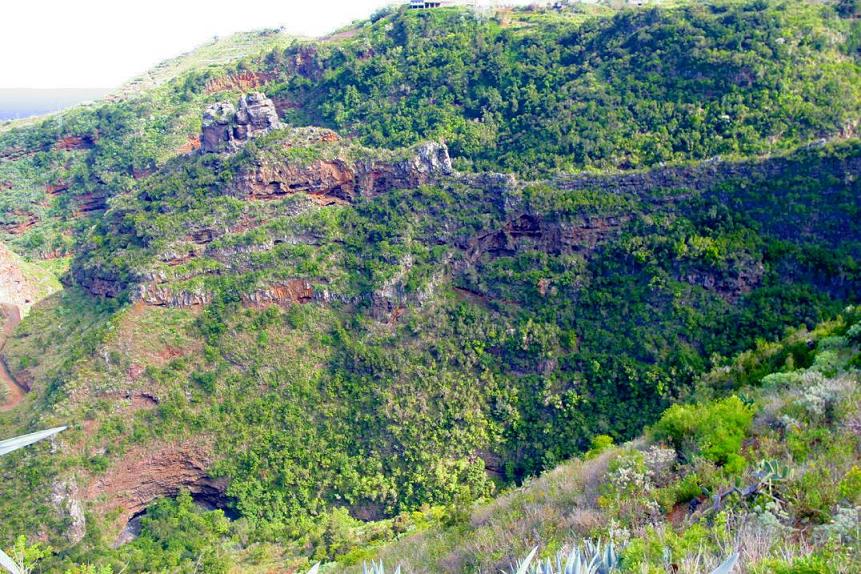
[[73, 143], [338, 179], [21, 222], [56, 187], [241, 82], [90, 202], [147, 473], [291, 292], [331, 178], [192, 144]]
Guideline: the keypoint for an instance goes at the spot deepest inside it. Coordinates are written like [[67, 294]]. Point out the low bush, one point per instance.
[[713, 430]]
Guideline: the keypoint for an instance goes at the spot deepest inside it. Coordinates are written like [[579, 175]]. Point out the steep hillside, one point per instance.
[[750, 471], [338, 290]]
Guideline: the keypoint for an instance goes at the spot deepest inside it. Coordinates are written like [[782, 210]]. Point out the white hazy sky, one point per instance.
[[102, 43]]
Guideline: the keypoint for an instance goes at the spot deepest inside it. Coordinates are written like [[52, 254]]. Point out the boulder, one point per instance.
[[431, 159], [258, 113], [227, 128], [217, 133]]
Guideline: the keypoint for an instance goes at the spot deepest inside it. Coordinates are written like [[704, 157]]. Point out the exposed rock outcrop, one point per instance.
[[191, 144], [148, 473], [290, 292], [18, 222], [15, 390], [242, 81], [227, 128], [73, 143], [340, 179], [16, 288], [56, 187], [162, 295], [89, 202], [66, 500], [333, 178]]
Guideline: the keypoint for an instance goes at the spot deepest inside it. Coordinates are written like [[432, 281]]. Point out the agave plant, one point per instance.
[[374, 568], [771, 472], [727, 565], [7, 446], [590, 558], [377, 568]]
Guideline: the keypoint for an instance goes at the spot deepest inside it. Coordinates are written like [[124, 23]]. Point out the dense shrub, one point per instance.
[[178, 536], [714, 430]]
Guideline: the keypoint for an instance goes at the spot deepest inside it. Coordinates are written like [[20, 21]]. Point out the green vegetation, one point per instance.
[[361, 376], [715, 430], [520, 91], [631, 89], [637, 494]]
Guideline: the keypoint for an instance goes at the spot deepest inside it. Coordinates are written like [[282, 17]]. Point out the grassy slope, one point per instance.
[[214, 55], [694, 82], [803, 395], [316, 397]]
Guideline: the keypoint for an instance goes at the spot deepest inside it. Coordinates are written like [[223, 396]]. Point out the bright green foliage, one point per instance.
[[176, 536], [377, 568], [600, 443], [854, 333], [714, 430], [760, 523], [850, 486], [24, 557], [90, 569]]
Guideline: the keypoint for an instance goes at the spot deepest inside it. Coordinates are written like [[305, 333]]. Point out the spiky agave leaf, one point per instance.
[[576, 563], [9, 445], [314, 569], [377, 568], [586, 558], [523, 567], [727, 565], [7, 563], [609, 559]]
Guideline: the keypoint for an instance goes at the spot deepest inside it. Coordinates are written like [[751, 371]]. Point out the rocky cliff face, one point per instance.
[[327, 170], [340, 179], [243, 81], [227, 128], [149, 473]]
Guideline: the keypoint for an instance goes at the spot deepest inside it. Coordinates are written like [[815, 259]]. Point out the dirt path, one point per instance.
[[16, 392]]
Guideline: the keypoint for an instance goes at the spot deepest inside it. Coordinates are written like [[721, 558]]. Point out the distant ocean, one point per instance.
[[25, 102]]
